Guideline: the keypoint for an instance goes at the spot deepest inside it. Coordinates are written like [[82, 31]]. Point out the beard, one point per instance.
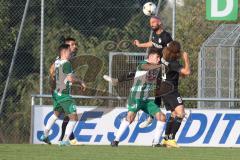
[[155, 28], [73, 55]]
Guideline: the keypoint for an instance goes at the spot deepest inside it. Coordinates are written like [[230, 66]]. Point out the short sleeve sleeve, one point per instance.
[[168, 38]]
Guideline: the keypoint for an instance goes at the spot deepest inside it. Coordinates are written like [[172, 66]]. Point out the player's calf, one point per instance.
[[161, 121]]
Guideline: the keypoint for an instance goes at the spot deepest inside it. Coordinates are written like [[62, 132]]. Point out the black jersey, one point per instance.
[[170, 72], [161, 40]]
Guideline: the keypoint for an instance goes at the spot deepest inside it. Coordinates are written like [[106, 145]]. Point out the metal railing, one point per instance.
[[34, 96]]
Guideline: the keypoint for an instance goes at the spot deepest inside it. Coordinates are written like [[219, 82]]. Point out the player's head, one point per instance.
[[72, 43], [153, 56], [172, 52], [155, 23], [64, 51]]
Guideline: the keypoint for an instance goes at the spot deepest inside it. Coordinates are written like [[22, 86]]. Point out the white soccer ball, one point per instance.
[[149, 8]]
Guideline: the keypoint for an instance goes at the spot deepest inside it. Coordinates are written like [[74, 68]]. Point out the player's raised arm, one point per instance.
[[185, 71], [143, 45]]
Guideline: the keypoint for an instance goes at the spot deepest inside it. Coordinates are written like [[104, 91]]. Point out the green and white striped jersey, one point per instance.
[[144, 83], [63, 68]]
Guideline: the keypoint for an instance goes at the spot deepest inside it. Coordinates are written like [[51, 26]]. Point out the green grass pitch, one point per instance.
[[88, 152]]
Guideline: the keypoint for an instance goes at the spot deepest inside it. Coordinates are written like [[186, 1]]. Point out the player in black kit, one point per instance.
[[160, 37], [170, 72]]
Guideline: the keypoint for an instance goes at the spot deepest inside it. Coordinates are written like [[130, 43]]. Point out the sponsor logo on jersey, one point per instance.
[[159, 40], [179, 99], [157, 45]]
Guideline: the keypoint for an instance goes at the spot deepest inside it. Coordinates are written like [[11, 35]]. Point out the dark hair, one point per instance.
[[62, 47], [69, 39], [154, 50], [172, 52]]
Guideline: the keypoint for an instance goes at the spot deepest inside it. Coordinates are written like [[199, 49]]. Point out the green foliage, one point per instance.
[[191, 33]]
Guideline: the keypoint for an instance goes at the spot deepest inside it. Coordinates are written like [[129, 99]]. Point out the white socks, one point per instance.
[[158, 131], [49, 124], [121, 129], [69, 129]]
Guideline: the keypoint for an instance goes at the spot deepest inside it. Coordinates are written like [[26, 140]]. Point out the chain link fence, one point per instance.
[[99, 27]]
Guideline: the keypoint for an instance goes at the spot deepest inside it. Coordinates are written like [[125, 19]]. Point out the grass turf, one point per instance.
[[54, 152]]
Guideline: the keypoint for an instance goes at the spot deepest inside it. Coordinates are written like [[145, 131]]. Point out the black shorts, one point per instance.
[[157, 101], [172, 100]]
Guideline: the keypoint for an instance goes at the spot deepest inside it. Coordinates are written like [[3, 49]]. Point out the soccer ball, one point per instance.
[[149, 8]]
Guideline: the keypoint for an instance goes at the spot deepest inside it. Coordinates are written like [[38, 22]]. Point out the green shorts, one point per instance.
[[147, 106], [64, 103]]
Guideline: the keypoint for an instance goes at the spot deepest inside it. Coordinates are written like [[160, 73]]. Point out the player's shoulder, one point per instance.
[[143, 62], [139, 67], [67, 62], [166, 33], [164, 62]]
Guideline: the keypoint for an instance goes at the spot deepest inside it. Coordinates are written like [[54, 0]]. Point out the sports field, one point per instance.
[[54, 152]]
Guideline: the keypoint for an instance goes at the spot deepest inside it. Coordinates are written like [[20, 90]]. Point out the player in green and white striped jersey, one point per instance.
[[144, 83], [62, 100]]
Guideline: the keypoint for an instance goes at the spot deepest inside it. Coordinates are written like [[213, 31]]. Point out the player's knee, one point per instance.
[[73, 117], [161, 117], [181, 114], [130, 119], [56, 113]]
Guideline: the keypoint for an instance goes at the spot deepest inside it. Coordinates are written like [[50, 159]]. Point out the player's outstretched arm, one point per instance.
[[71, 78], [185, 71], [142, 45], [114, 81], [148, 66]]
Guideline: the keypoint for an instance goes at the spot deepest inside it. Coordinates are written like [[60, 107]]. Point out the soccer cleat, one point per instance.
[[146, 123], [64, 143], [157, 145], [114, 143], [73, 141], [45, 139], [114, 81], [172, 143], [164, 142]]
